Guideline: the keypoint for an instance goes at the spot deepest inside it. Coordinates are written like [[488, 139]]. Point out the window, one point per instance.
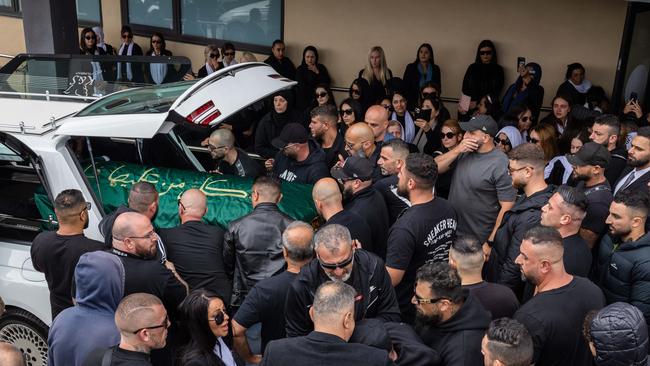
[[249, 24], [10, 7], [88, 12]]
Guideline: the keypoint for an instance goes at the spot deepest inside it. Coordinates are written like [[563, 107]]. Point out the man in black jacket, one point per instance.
[[449, 319], [324, 128], [300, 159], [360, 141], [391, 159], [526, 166], [279, 62], [252, 248], [637, 174], [605, 131], [333, 313], [355, 175], [229, 159], [337, 260]]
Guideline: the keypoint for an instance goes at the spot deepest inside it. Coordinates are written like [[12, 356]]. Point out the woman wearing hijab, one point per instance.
[[377, 74], [159, 73], [100, 41], [309, 74], [401, 114], [212, 64], [508, 138], [485, 75], [127, 71], [420, 72], [575, 86], [526, 90], [270, 126]]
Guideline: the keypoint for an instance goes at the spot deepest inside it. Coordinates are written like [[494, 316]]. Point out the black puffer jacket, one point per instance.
[[525, 214], [620, 336], [252, 249], [623, 272]]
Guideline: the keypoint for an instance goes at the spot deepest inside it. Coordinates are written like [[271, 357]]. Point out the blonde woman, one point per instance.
[[377, 74]]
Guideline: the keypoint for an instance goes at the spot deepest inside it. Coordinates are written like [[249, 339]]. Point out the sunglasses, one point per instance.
[[90, 37], [156, 41], [229, 53], [421, 301], [388, 107], [347, 112], [524, 119], [532, 140], [333, 266], [448, 135], [165, 324], [501, 141], [219, 317], [485, 53], [213, 55], [321, 95], [127, 35], [356, 91]]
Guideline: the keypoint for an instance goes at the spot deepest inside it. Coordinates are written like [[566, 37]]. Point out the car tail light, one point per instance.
[[211, 118], [194, 116]]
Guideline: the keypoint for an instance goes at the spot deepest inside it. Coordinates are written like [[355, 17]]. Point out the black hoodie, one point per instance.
[[458, 340], [308, 171]]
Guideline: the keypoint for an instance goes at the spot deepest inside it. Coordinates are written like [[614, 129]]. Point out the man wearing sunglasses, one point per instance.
[[142, 321], [449, 319], [360, 141], [337, 260], [230, 159], [56, 253], [300, 159]]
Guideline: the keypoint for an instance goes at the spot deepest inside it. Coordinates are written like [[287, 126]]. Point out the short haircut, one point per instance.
[[542, 235], [298, 251], [573, 198], [210, 48], [126, 29], [333, 297], [224, 136], [444, 281], [332, 237], [423, 168], [399, 147], [268, 188], [277, 41], [134, 307], [529, 154], [68, 200], [327, 112], [644, 132], [142, 195], [467, 251], [636, 200], [509, 342], [228, 46], [611, 121]]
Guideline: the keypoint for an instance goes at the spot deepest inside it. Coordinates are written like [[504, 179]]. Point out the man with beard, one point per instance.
[[360, 142], [448, 319], [329, 205], [377, 119], [56, 253], [589, 165], [300, 159], [507, 343], [337, 260], [637, 175], [526, 167], [355, 175], [423, 233], [134, 242], [324, 128], [555, 314], [391, 159], [605, 131], [229, 159], [623, 266]]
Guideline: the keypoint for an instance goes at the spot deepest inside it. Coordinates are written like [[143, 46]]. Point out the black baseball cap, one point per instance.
[[354, 167], [591, 153], [482, 122], [292, 133]]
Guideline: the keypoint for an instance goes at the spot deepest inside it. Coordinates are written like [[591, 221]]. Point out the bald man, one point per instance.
[[377, 120], [360, 141], [143, 322], [196, 248], [10, 355], [554, 316], [229, 159], [329, 204]]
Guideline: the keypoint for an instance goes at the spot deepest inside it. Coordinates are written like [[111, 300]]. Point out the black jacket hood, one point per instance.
[[620, 336], [470, 316]]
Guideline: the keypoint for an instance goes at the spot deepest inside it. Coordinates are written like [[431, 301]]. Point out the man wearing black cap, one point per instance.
[[300, 160], [355, 175], [589, 165], [481, 188]]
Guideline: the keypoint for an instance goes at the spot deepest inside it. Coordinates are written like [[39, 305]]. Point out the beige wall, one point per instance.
[[552, 33]]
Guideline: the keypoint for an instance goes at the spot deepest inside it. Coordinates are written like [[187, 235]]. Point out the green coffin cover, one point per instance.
[[229, 197]]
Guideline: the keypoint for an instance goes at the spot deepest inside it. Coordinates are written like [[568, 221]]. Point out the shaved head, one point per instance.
[[222, 137], [126, 224], [10, 355], [359, 132], [136, 311], [377, 119], [326, 190], [194, 202]]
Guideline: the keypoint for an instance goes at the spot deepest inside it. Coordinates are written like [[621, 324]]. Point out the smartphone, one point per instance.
[[521, 62], [634, 96], [424, 114]]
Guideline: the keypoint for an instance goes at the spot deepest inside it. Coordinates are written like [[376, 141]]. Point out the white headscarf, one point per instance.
[[513, 135], [100, 37]]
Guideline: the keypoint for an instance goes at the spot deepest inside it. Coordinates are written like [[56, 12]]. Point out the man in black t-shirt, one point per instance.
[[422, 234], [391, 159], [589, 165], [56, 253], [467, 257], [230, 160], [265, 302], [324, 129], [329, 205], [554, 316], [564, 212]]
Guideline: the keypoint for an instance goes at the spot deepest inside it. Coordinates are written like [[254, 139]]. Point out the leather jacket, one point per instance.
[[252, 248]]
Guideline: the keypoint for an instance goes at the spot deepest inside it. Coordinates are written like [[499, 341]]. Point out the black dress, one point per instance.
[[307, 82], [481, 79], [412, 81]]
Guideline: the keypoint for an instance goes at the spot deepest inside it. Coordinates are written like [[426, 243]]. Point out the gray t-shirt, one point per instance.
[[480, 181]]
